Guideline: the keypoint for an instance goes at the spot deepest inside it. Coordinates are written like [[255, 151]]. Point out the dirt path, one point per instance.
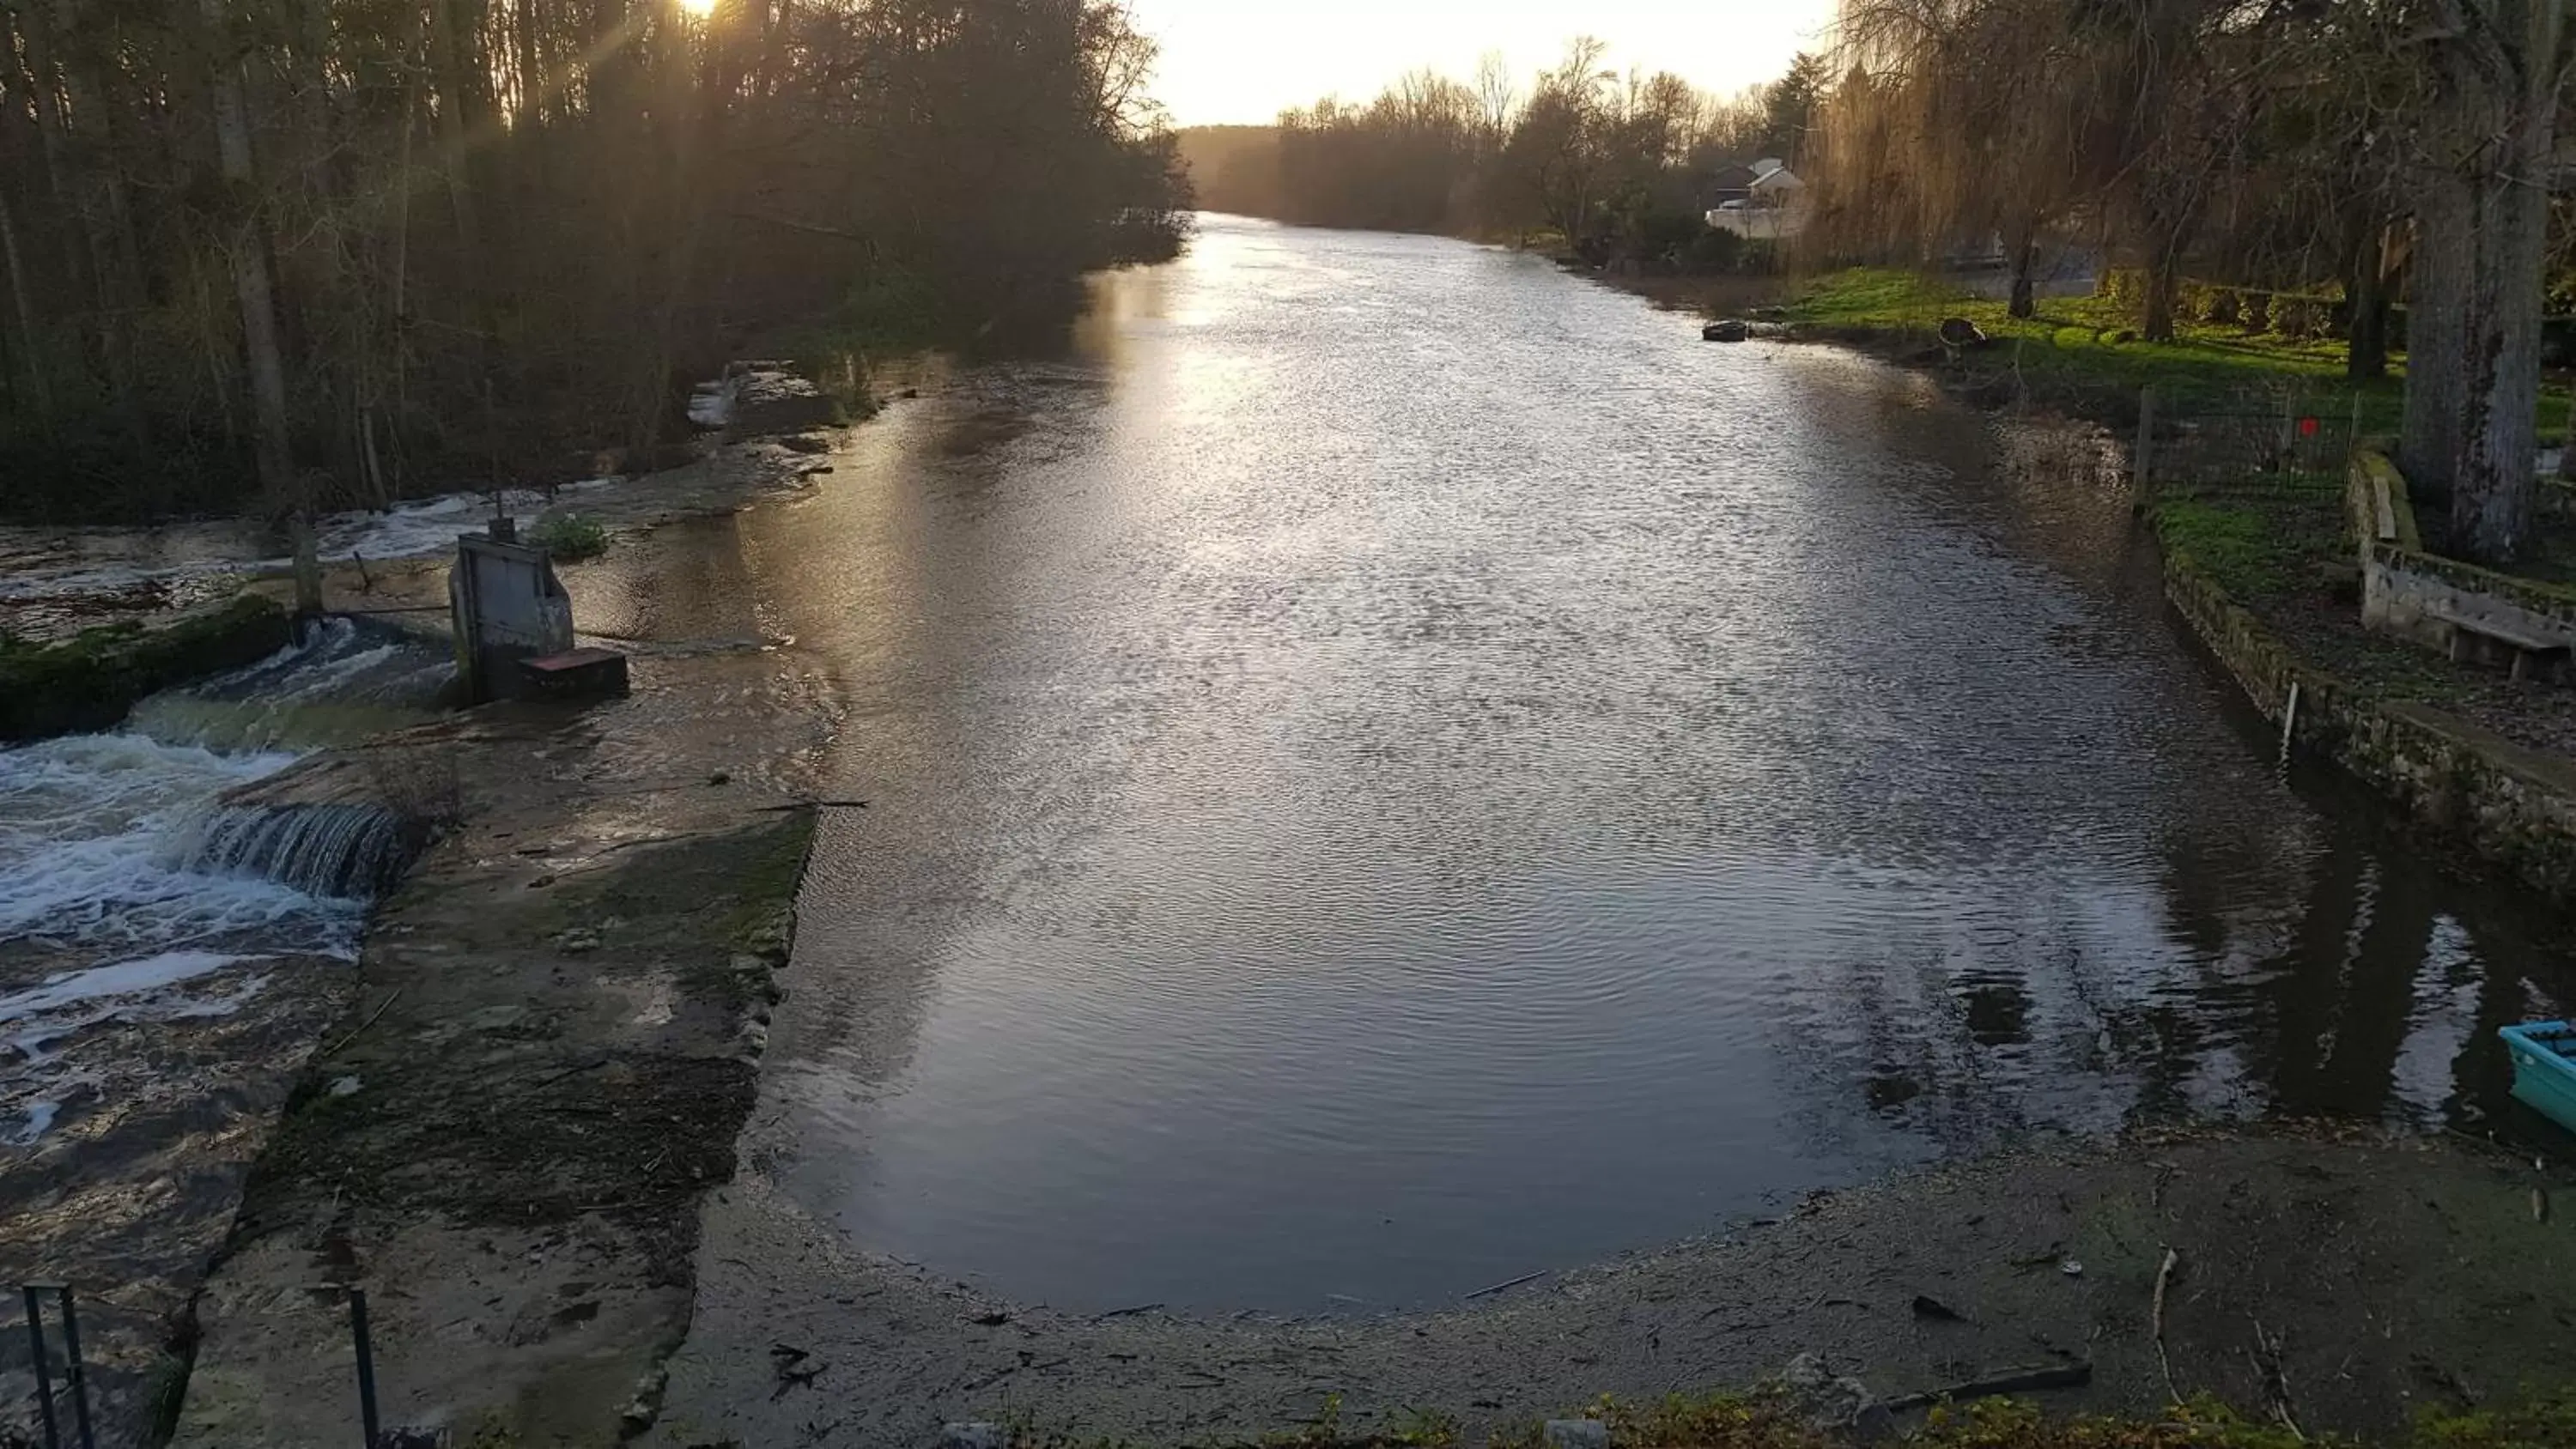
[[2394, 1273]]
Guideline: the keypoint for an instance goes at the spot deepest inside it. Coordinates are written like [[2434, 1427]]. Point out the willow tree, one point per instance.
[[1963, 122]]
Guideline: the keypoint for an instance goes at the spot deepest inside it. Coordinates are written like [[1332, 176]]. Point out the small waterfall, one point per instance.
[[245, 819], [345, 850]]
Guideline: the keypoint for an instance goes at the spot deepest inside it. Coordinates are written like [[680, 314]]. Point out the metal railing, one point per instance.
[[76, 1376]]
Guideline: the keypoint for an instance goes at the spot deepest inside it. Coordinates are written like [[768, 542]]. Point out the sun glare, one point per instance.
[[699, 7]]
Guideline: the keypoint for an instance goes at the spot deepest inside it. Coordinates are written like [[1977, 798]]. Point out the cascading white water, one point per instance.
[[130, 894], [345, 850]]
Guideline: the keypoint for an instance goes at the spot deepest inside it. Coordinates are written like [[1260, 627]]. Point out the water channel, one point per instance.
[[1392, 767]]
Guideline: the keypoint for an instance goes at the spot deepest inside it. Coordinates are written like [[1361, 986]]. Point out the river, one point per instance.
[[1391, 768]]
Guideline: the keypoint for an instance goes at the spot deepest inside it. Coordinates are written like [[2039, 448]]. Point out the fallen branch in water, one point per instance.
[[2001, 1381], [387, 1005], [2164, 1275], [1506, 1283]]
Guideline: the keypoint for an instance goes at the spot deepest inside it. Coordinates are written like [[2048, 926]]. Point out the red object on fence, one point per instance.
[[2307, 427]]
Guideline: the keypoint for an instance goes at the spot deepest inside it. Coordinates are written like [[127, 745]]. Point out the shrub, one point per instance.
[[569, 536]]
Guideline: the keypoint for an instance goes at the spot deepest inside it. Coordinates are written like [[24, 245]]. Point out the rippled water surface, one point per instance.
[[1393, 768]]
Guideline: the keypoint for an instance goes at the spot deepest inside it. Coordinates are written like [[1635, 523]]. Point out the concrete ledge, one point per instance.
[[2512, 805], [2425, 598]]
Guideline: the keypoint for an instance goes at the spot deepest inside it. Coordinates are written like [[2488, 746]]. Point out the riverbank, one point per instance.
[[2258, 554], [1203, 771], [1176, 743], [2391, 1275]]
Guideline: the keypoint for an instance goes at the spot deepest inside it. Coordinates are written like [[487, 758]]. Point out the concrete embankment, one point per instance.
[[2512, 805], [540, 1064]]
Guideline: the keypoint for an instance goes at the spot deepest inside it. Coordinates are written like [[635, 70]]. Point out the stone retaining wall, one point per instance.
[[2511, 805]]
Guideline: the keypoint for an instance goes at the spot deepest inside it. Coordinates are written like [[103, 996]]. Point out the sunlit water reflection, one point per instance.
[[1392, 768]]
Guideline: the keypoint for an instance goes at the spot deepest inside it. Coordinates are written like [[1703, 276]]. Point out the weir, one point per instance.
[[347, 849]]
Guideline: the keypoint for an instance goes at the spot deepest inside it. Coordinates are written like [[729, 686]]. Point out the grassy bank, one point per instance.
[[1763, 1420], [2080, 350], [2268, 539]]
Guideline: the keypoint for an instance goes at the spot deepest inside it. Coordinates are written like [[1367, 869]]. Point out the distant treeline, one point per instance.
[[274, 255], [1620, 165]]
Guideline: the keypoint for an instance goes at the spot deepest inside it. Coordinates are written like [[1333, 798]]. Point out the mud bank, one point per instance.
[[2397, 1273]]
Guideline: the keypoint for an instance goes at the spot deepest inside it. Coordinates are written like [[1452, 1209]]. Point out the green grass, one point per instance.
[[2080, 344], [2233, 543], [1759, 1421]]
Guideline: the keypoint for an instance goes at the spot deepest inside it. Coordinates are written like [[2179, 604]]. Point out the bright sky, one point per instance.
[[1245, 60]]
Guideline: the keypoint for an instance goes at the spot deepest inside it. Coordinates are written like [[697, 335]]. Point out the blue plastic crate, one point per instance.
[[2544, 1068]]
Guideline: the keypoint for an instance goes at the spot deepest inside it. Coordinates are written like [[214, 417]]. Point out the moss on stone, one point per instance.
[[90, 681]]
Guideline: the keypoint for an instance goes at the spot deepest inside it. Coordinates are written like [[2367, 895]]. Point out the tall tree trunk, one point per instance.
[[2365, 291], [2486, 218], [2436, 376], [2493, 492], [274, 441], [61, 174], [2025, 292], [106, 214], [454, 87], [2162, 284], [31, 350]]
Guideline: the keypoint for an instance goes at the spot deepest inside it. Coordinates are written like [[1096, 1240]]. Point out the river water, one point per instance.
[[1392, 768], [124, 909]]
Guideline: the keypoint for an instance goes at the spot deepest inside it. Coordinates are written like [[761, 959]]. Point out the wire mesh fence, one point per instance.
[[2284, 438], [2274, 454]]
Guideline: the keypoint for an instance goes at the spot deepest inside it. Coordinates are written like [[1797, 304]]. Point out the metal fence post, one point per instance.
[[366, 1364], [80, 1383], [44, 1374]]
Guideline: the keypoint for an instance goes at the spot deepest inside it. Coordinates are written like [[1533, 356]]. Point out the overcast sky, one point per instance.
[[1244, 60]]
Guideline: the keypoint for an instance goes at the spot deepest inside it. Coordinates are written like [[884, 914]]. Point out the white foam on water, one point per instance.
[[711, 403], [40, 1036], [102, 861], [40, 1120], [73, 562], [430, 526], [138, 977], [93, 835]]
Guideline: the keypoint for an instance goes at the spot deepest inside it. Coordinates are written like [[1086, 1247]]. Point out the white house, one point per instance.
[[1772, 208]]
